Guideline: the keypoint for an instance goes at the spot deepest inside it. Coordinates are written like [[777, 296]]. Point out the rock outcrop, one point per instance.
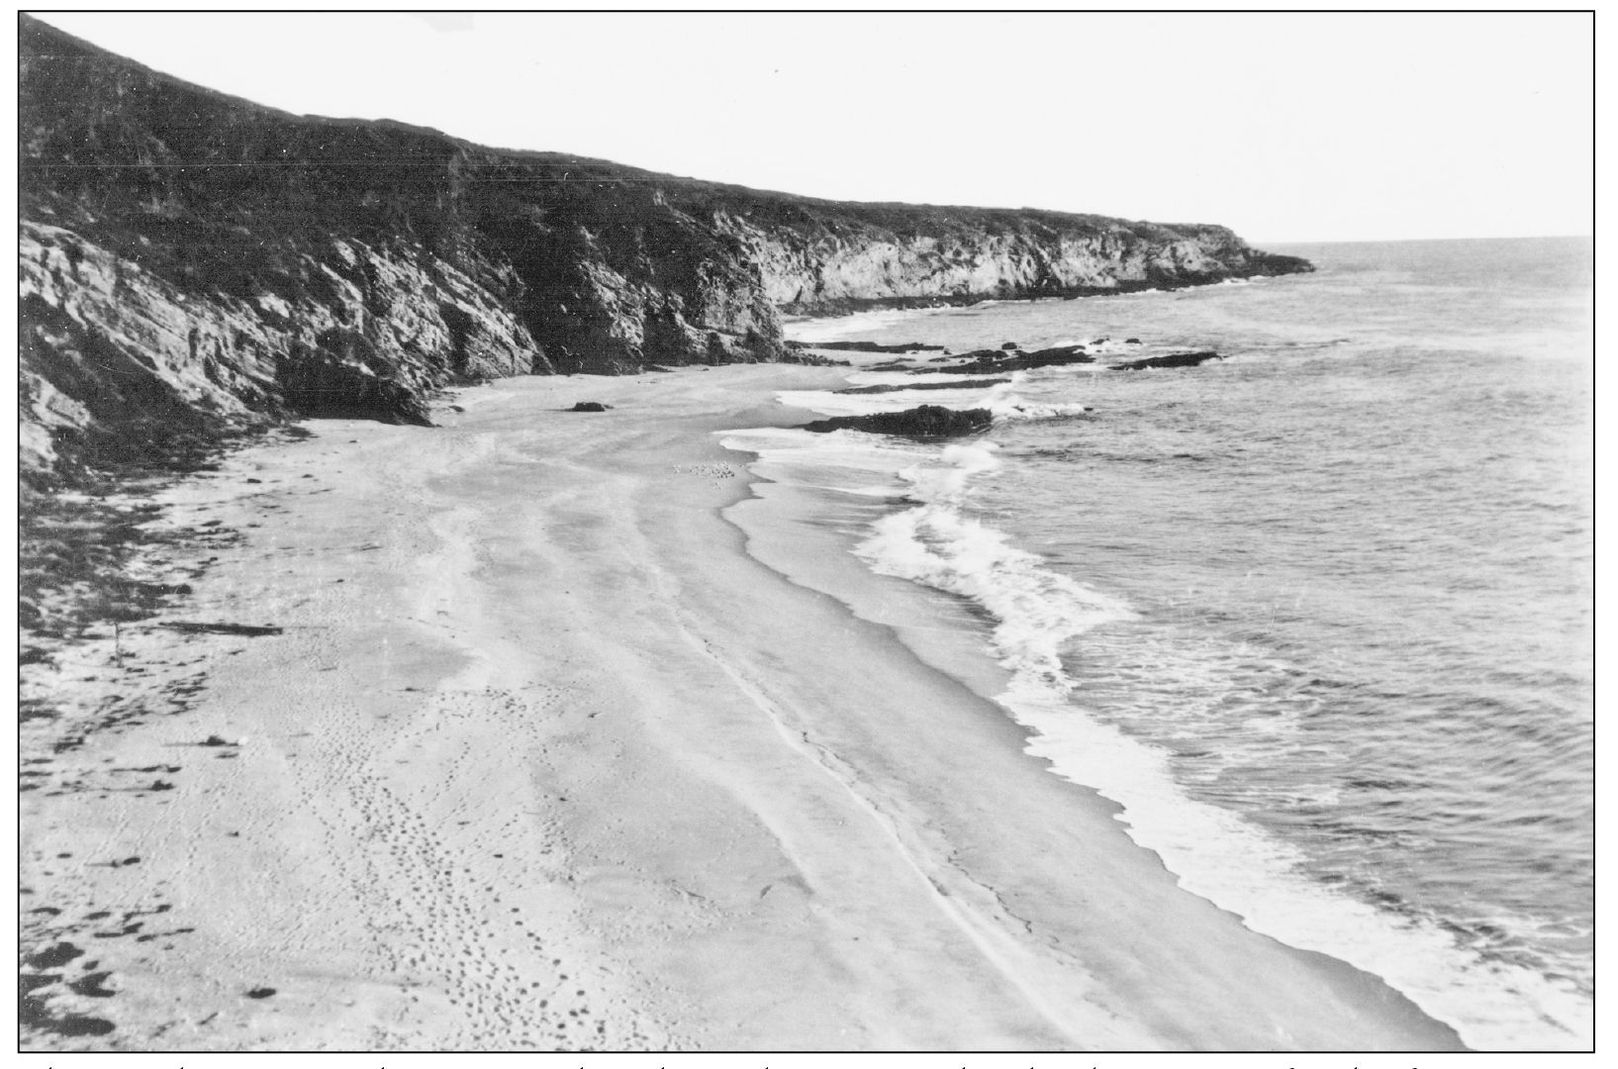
[[1001, 361], [865, 346], [1166, 360], [192, 262], [118, 361], [907, 387], [923, 421]]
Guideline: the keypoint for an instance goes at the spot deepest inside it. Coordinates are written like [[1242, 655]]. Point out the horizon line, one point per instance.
[[1389, 240]]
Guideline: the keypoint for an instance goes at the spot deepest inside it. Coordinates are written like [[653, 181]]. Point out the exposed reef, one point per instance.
[[1001, 361], [1166, 360], [923, 421], [907, 387], [865, 346]]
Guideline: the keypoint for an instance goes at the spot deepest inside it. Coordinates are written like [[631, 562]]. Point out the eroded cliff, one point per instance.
[[857, 255], [191, 261]]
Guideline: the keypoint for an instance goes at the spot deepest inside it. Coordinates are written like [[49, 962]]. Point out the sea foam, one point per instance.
[[1215, 853], [1048, 629], [1001, 399]]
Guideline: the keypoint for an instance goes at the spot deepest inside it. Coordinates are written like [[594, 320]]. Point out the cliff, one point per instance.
[[817, 257], [191, 262]]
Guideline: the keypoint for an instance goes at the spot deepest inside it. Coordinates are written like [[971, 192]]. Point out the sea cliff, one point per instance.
[[191, 262]]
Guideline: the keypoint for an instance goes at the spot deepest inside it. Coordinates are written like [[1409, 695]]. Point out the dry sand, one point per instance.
[[542, 758]]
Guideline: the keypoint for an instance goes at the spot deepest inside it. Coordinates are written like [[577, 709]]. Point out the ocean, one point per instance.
[[1317, 615]]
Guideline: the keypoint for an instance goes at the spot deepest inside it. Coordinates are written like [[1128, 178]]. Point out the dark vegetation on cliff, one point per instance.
[[191, 262]]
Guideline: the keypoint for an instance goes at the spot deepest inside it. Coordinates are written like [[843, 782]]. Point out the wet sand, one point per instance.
[[541, 757]]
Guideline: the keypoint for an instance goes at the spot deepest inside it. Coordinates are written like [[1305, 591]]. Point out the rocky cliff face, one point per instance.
[[191, 261], [899, 255], [116, 359]]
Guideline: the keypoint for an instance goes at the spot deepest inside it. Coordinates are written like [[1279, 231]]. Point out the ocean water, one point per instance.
[[1317, 615]]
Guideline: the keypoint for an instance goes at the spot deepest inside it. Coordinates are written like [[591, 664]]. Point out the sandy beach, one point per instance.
[[533, 754]]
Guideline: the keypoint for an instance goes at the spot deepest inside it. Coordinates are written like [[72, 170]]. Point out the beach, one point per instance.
[[532, 753]]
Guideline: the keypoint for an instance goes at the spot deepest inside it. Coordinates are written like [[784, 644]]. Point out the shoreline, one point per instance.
[[824, 486], [544, 756]]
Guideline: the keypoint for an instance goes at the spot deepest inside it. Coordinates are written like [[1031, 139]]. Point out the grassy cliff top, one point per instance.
[[96, 127]]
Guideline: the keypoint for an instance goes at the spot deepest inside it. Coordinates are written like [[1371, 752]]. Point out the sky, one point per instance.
[[1285, 127]]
